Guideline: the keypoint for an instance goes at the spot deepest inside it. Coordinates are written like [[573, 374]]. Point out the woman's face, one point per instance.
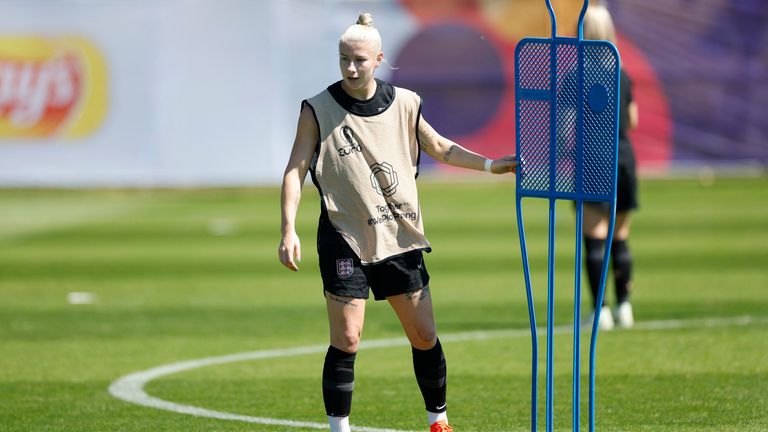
[[357, 62]]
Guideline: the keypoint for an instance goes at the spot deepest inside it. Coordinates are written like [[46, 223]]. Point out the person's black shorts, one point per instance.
[[626, 189], [344, 275]]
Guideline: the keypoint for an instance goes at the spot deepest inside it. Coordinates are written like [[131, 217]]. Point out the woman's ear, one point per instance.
[[379, 58]]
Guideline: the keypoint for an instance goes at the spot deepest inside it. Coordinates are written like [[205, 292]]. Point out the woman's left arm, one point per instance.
[[444, 150]]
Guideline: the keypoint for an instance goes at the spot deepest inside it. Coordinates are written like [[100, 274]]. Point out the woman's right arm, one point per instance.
[[307, 137], [634, 115]]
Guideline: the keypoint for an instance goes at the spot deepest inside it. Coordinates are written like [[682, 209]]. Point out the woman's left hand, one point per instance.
[[506, 164]]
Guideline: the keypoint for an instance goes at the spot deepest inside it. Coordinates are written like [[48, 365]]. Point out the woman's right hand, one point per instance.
[[307, 136], [289, 251]]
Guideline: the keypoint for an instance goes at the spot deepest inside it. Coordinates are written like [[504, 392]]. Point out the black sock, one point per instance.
[[622, 269], [594, 263], [431, 374], [338, 382]]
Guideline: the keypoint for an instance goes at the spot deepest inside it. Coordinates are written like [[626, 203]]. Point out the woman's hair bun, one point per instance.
[[362, 31], [365, 19]]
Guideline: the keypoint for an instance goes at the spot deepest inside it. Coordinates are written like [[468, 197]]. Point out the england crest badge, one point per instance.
[[344, 267]]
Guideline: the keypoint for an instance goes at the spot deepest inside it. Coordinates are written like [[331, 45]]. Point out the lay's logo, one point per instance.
[[51, 87]]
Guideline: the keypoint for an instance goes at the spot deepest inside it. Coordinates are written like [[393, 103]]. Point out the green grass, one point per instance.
[[182, 275]]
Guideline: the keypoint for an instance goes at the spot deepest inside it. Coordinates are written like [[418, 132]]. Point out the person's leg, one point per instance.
[[595, 228], [414, 309], [595, 231], [626, 202], [345, 318], [621, 259]]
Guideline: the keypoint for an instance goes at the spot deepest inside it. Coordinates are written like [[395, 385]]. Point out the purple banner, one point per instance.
[[700, 72], [711, 58]]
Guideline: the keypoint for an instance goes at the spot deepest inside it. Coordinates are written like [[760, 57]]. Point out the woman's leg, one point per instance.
[[595, 229], [345, 319], [414, 310], [622, 269]]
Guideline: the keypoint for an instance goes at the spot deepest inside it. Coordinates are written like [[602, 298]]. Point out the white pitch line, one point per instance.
[[130, 388]]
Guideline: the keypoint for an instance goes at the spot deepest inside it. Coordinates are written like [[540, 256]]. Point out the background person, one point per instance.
[[598, 25]]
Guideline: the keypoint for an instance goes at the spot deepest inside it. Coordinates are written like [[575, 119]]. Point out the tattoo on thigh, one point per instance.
[[424, 293], [341, 300], [420, 294]]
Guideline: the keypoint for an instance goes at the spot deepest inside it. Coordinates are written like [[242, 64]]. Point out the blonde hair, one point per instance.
[[362, 31], [598, 24]]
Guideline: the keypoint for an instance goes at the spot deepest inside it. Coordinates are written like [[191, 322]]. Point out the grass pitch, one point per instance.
[[178, 275]]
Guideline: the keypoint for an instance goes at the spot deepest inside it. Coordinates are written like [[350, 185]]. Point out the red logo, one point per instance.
[[51, 87]]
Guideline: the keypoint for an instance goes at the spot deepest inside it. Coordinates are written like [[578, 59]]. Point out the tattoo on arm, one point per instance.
[[447, 155], [428, 137]]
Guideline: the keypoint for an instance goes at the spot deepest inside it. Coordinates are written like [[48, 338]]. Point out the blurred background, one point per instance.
[[142, 143], [206, 92]]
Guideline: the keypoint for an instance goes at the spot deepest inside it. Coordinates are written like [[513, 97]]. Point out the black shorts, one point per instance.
[[345, 276], [626, 189]]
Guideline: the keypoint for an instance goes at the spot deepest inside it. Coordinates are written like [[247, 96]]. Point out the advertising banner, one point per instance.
[[207, 92]]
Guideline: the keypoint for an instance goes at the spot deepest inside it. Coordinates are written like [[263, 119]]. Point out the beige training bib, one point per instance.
[[365, 168]]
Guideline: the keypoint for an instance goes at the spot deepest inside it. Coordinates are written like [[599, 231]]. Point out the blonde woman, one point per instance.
[[598, 25], [361, 139]]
